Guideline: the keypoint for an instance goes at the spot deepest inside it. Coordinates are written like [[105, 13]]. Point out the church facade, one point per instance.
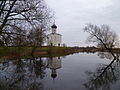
[[54, 38]]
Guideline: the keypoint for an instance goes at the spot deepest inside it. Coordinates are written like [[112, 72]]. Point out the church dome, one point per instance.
[[53, 26], [53, 76]]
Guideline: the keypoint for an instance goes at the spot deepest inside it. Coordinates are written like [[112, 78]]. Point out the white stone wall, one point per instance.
[[55, 39], [54, 63]]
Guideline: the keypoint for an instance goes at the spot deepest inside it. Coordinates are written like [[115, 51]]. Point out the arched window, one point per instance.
[[58, 44]]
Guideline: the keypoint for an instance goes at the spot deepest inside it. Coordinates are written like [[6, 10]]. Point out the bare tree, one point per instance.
[[36, 37], [19, 15], [103, 36]]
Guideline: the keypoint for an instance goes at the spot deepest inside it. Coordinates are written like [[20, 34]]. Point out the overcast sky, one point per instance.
[[72, 15]]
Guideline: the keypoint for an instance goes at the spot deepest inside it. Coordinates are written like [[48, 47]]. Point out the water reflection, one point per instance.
[[27, 74], [42, 73], [104, 55], [54, 64], [105, 75]]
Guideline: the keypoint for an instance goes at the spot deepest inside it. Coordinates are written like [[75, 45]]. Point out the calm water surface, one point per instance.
[[73, 72]]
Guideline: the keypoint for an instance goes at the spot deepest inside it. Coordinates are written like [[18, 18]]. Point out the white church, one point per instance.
[[54, 38]]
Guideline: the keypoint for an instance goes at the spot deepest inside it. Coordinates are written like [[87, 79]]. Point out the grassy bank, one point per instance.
[[23, 52]]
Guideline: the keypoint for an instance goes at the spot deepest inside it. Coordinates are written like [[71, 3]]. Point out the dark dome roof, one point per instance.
[[53, 76], [53, 26]]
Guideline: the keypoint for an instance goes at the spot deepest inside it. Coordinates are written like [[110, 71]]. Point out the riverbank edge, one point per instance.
[[26, 52], [46, 51]]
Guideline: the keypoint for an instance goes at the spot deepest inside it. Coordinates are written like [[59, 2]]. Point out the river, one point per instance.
[[81, 71]]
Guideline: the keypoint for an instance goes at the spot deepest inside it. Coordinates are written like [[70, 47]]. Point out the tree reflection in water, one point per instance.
[[22, 74], [27, 74], [104, 55], [105, 75]]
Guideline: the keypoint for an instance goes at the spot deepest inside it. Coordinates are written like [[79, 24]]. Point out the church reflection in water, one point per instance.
[[54, 63], [27, 73]]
